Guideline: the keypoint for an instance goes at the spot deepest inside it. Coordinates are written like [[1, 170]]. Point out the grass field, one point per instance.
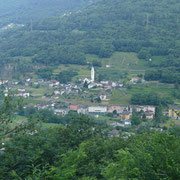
[[171, 123], [120, 62], [124, 96], [120, 97]]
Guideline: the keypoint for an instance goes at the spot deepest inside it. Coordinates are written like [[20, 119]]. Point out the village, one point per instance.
[[63, 98]]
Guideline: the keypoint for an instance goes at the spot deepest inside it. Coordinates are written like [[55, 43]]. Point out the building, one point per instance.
[[74, 107], [21, 90], [22, 94], [125, 115], [97, 109], [149, 114], [103, 97], [113, 133], [57, 92], [118, 108], [61, 112], [108, 65], [104, 82], [135, 79], [82, 110], [144, 108], [173, 112], [127, 122], [91, 85]]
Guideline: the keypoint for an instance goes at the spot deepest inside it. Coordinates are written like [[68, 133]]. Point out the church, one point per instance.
[[91, 82]]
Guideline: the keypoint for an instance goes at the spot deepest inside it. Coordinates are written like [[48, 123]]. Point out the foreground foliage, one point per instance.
[[81, 151]]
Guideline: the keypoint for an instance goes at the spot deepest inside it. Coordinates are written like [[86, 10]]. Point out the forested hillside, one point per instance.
[[22, 11], [149, 28]]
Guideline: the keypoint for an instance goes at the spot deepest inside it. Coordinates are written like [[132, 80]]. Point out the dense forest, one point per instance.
[[149, 28], [23, 11]]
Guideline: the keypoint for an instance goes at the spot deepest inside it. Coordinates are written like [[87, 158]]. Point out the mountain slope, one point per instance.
[[22, 11], [149, 28]]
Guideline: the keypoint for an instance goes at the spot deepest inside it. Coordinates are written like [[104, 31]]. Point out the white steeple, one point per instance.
[[92, 74]]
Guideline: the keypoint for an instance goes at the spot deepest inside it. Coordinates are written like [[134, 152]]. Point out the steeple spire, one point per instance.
[[92, 74]]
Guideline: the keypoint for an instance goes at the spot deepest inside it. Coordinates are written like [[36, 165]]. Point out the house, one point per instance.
[[28, 106], [74, 107], [24, 94], [57, 92], [55, 83], [41, 106], [104, 82], [127, 122], [149, 114], [6, 90], [21, 90], [107, 87], [97, 109], [173, 112], [91, 85], [15, 82], [114, 84], [113, 133], [108, 65], [99, 85], [40, 80], [26, 84], [85, 80], [61, 112], [55, 97], [82, 110], [116, 124], [144, 108], [51, 85], [27, 79], [103, 97], [118, 108], [5, 81], [120, 84], [134, 79], [125, 115], [62, 92], [35, 83]]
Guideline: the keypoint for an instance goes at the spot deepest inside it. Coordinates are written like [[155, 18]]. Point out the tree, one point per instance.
[[85, 85], [98, 99], [176, 85], [123, 168], [136, 119], [66, 76], [7, 118]]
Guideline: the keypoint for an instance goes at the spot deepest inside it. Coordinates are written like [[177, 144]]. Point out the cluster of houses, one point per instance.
[[21, 92], [122, 111], [125, 112]]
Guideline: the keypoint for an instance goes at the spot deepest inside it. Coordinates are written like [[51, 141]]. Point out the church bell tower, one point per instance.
[[92, 74]]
